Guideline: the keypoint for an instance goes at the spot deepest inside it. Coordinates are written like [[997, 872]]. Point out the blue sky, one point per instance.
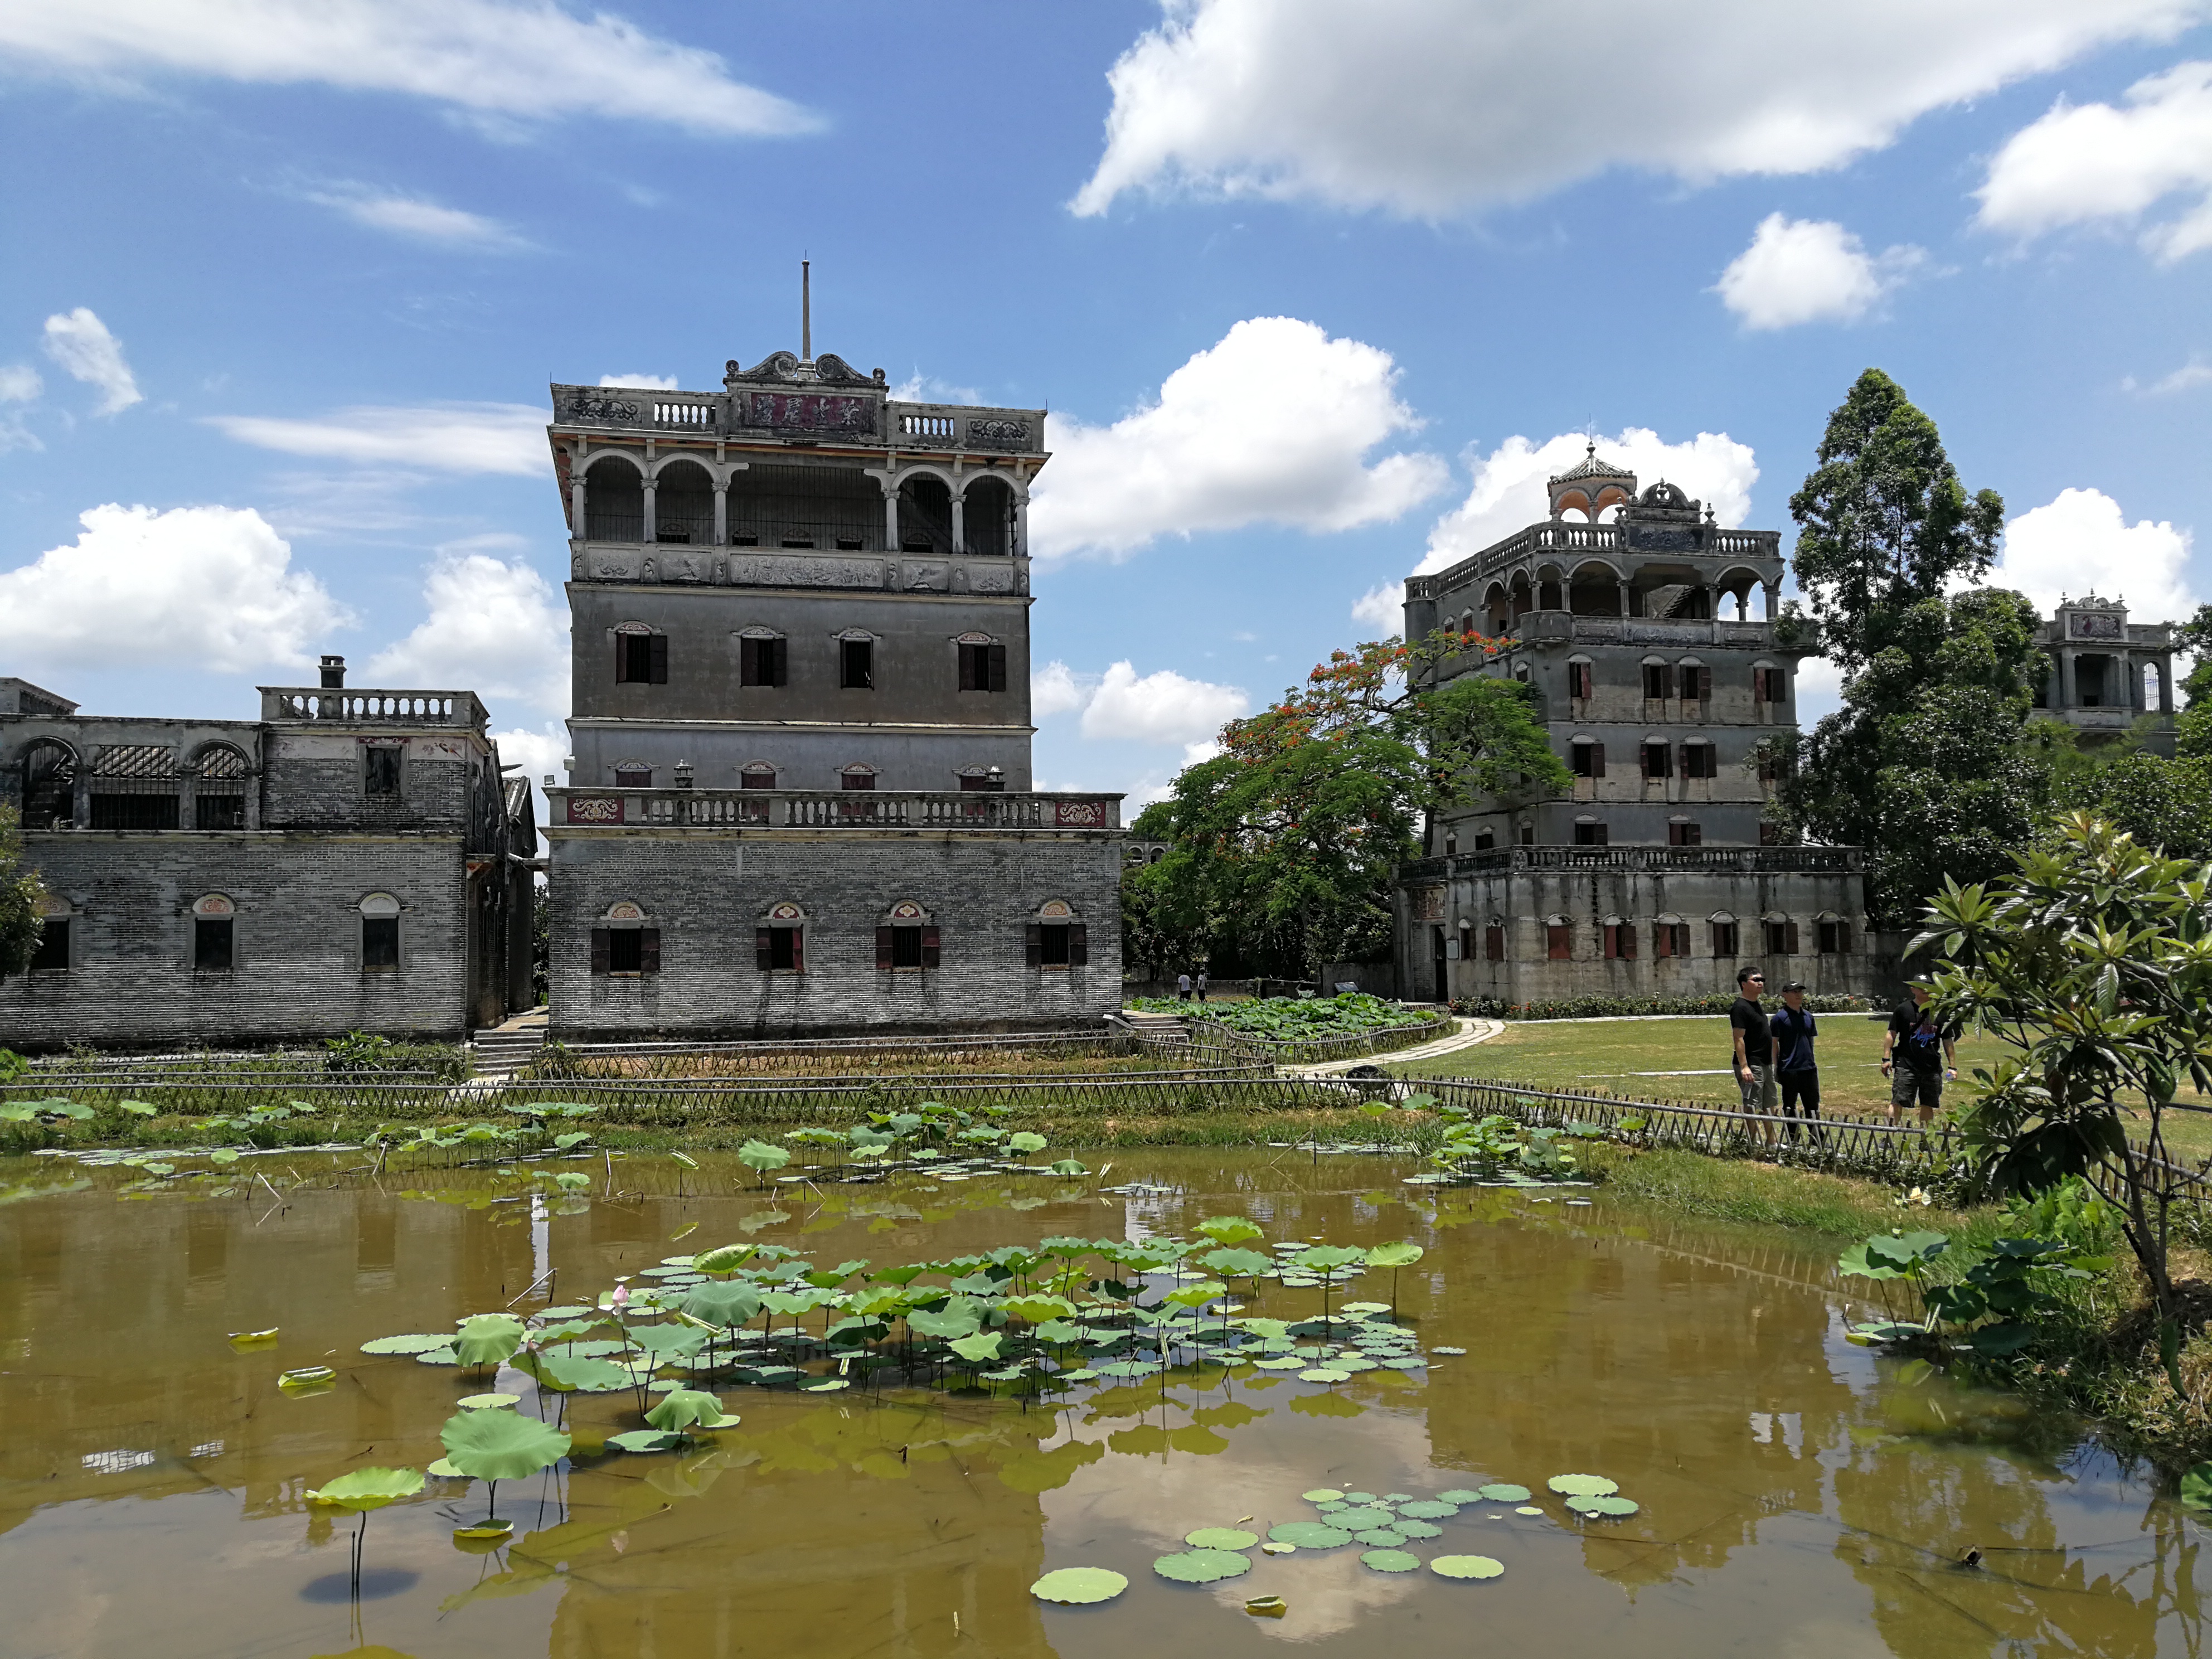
[[284, 284]]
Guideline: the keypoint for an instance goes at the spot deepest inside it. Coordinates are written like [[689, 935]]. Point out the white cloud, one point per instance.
[[1808, 271], [20, 383], [201, 588], [1428, 108], [2191, 374], [2082, 541], [2085, 163], [1820, 690], [492, 58], [414, 217], [81, 344], [444, 437], [1383, 607], [1271, 425], [539, 752], [1161, 708], [642, 382], [921, 388], [1056, 688], [496, 628], [1509, 490]]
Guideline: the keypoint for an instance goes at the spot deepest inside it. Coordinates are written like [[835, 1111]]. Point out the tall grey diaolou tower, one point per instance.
[[1631, 615], [798, 795]]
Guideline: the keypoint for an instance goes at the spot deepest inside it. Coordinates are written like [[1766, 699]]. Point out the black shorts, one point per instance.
[[1800, 1089]]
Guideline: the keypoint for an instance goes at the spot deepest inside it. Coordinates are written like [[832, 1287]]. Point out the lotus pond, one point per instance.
[[1193, 1403]]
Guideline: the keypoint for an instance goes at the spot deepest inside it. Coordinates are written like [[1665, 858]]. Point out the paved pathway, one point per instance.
[[1470, 1032]]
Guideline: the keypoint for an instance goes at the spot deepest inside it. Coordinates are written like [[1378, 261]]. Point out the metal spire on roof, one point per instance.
[[806, 310]]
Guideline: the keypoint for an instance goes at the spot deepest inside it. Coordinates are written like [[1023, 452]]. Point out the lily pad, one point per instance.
[[1504, 1492], [1602, 1508], [367, 1489], [1282, 1361], [486, 1402], [1381, 1537], [414, 1342], [1324, 1374], [1465, 1566], [444, 1470], [1279, 1548], [1459, 1495], [1203, 1566], [1080, 1586], [1355, 1517], [646, 1440], [444, 1356], [1430, 1509], [308, 1379], [500, 1445], [1323, 1495], [1583, 1486], [1418, 1529], [1220, 1538], [1390, 1561], [1528, 1509], [1308, 1535]]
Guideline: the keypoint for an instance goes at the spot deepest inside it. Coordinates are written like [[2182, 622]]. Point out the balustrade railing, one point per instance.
[[286, 704], [854, 809]]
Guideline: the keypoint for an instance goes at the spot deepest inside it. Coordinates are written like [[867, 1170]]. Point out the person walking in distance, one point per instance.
[[1754, 1044], [1200, 985], [1796, 1073], [1917, 1057], [1183, 985]]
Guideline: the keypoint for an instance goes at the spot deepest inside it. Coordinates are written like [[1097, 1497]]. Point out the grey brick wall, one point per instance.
[[707, 893], [131, 984], [315, 780]]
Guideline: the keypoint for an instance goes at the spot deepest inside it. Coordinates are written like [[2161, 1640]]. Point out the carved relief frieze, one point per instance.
[[774, 572], [923, 575], [990, 578], [589, 407]]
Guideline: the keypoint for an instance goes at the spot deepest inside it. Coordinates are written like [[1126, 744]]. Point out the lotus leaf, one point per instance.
[[2196, 1487], [223, 1155], [664, 1342], [976, 1349], [245, 1340], [1441, 1349], [489, 1339], [1308, 1535], [723, 1259], [1203, 1566], [1220, 1538], [1404, 1254], [1389, 1560], [1352, 1517], [444, 1470], [951, 1322], [721, 1303], [1430, 1509], [1498, 1492], [500, 1445], [416, 1342], [645, 1440], [682, 1408], [1280, 1363], [1528, 1509], [1583, 1486], [1026, 1142], [487, 1402], [1418, 1530], [1069, 1166], [1359, 1498], [368, 1489], [486, 1535], [760, 1157], [1380, 1537], [137, 1108], [1037, 1310], [1603, 1507], [1324, 1374], [1323, 1495], [1465, 1566], [444, 1356], [1080, 1586], [306, 1377]]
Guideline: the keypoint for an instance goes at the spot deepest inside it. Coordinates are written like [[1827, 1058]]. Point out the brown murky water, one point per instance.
[[1795, 1503]]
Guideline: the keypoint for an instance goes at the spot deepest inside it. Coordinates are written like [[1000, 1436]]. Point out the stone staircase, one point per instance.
[[1154, 1030], [500, 1051]]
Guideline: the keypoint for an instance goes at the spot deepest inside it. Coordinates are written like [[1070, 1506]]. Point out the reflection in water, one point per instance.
[[1794, 1501]]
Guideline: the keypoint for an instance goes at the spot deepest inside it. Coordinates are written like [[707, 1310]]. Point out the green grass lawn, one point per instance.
[[1687, 1059]]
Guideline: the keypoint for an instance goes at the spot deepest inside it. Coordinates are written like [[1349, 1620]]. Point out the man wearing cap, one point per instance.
[[1917, 1057], [1796, 1073]]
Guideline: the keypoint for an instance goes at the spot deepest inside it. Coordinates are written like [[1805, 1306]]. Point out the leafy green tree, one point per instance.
[[1284, 844], [2164, 804], [20, 889], [2093, 963], [1883, 523], [1928, 765]]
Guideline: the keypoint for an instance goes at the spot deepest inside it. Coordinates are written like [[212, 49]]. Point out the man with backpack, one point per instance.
[[1917, 1057]]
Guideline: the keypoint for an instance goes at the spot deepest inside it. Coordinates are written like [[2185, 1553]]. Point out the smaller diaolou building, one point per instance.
[[352, 861]]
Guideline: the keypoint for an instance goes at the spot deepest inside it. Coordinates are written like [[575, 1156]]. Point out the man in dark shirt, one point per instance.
[[1754, 1044], [1918, 1055], [1797, 1074]]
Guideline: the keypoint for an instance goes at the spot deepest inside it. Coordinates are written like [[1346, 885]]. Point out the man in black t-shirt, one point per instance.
[[1754, 1044], [1918, 1055]]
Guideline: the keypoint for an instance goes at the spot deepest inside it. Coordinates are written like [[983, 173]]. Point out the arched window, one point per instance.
[[1693, 682], [1723, 930], [633, 774], [219, 788], [640, 654], [215, 937], [683, 504], [1619, 936], [1833, 934], [906, 937], [1057, 937], [1670, 936], [1699, 758], [988, 518], [379, 934], [756, 775], [763, 657], [1493, 939], [1781, 933], [780, 939], [857, 776], [625, 941], [614, 500], [1559, 939], [49, 782]]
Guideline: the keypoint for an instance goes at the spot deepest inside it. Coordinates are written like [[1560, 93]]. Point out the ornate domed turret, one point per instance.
[[1590, 486]]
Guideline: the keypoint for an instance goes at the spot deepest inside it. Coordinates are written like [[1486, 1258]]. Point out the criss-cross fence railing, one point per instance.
[[1210, 1036], [809, 1055], [1892, 1149]]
